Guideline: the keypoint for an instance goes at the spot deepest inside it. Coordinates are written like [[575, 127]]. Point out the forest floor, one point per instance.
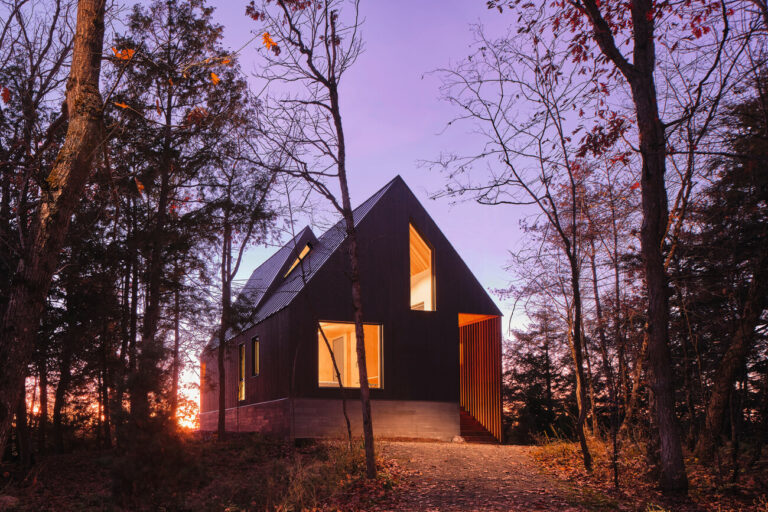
[[469, 477], [251, 473]]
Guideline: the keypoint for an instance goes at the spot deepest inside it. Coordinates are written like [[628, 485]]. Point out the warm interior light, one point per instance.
[[241, 372], [302, 255], [343, 342], [422, 274]]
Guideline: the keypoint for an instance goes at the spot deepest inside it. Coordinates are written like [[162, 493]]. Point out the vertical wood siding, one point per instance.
[[480, 372]]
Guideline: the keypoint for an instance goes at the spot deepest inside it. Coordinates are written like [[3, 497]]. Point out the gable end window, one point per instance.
[[422, 272], [255, 357], [241, 372]]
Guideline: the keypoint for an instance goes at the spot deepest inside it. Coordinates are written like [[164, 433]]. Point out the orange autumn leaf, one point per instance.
[[226, 61], [215, 78], [121, 105], [125, 54], [268, 41], [139, 185]]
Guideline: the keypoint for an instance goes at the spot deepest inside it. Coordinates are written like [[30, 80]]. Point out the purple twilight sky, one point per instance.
[[394, 118]]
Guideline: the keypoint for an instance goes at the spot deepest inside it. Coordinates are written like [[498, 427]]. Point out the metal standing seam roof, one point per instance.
[[268, 296]]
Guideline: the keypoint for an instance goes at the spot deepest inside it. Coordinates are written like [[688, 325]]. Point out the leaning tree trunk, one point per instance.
[[64, 187], [733, 360]]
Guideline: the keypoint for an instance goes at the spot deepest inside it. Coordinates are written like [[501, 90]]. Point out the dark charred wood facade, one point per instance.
[[433, 335]]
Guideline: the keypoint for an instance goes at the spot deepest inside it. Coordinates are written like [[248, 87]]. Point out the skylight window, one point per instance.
[[302, 255]]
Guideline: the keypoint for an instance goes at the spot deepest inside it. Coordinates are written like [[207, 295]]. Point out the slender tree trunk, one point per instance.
[[176, 363], [637, 376], [357, 295], [66, 181], [125, 313], [61, 395], [226, 304], [105, 382], [22, 430], [592, 405], [42, 424], [607, 367], [147, 373], [578, 358], [548, 376]]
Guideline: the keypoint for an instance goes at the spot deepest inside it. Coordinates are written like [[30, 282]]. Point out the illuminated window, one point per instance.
[[342, 340], [241, 372], [255, 356], [422, 273], [301, 257]]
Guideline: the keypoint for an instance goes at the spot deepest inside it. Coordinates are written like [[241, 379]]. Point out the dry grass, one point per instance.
[[247, 472]]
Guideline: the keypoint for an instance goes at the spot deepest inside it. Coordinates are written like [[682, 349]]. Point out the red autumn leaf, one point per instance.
[[635, 185], [6, 94]]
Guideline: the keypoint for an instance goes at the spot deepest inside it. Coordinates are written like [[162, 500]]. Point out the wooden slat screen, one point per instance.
[[480, 372]]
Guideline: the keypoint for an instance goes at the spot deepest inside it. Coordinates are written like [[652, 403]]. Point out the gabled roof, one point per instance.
[[267, 292]]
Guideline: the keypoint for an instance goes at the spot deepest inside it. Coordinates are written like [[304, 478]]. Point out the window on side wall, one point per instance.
[[241, 371], [422, 272], [343, 344], [255, 356]]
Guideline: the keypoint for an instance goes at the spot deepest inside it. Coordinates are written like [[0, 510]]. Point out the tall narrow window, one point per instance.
[[241, 372], [343, 344], [422, 273], [300, 258], [255, 356]]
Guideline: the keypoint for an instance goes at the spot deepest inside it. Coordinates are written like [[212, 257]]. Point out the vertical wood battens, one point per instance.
[[480, 373]]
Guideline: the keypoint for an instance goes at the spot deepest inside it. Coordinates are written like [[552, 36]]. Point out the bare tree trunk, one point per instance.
[[66, 181], [341, 384], [226, 299], [61, 395], [147, 375], [592, 412], [357, 296], [578, 358], [607, 367], [22, 430], [637, 375], [640, 77], [42, 423], [175, 364]]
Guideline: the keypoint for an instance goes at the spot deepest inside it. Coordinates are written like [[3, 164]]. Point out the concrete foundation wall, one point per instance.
[[265, 417], [391, 418], [318, 417]]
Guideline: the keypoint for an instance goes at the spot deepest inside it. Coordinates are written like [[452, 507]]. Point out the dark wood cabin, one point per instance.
[[432, 335]]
